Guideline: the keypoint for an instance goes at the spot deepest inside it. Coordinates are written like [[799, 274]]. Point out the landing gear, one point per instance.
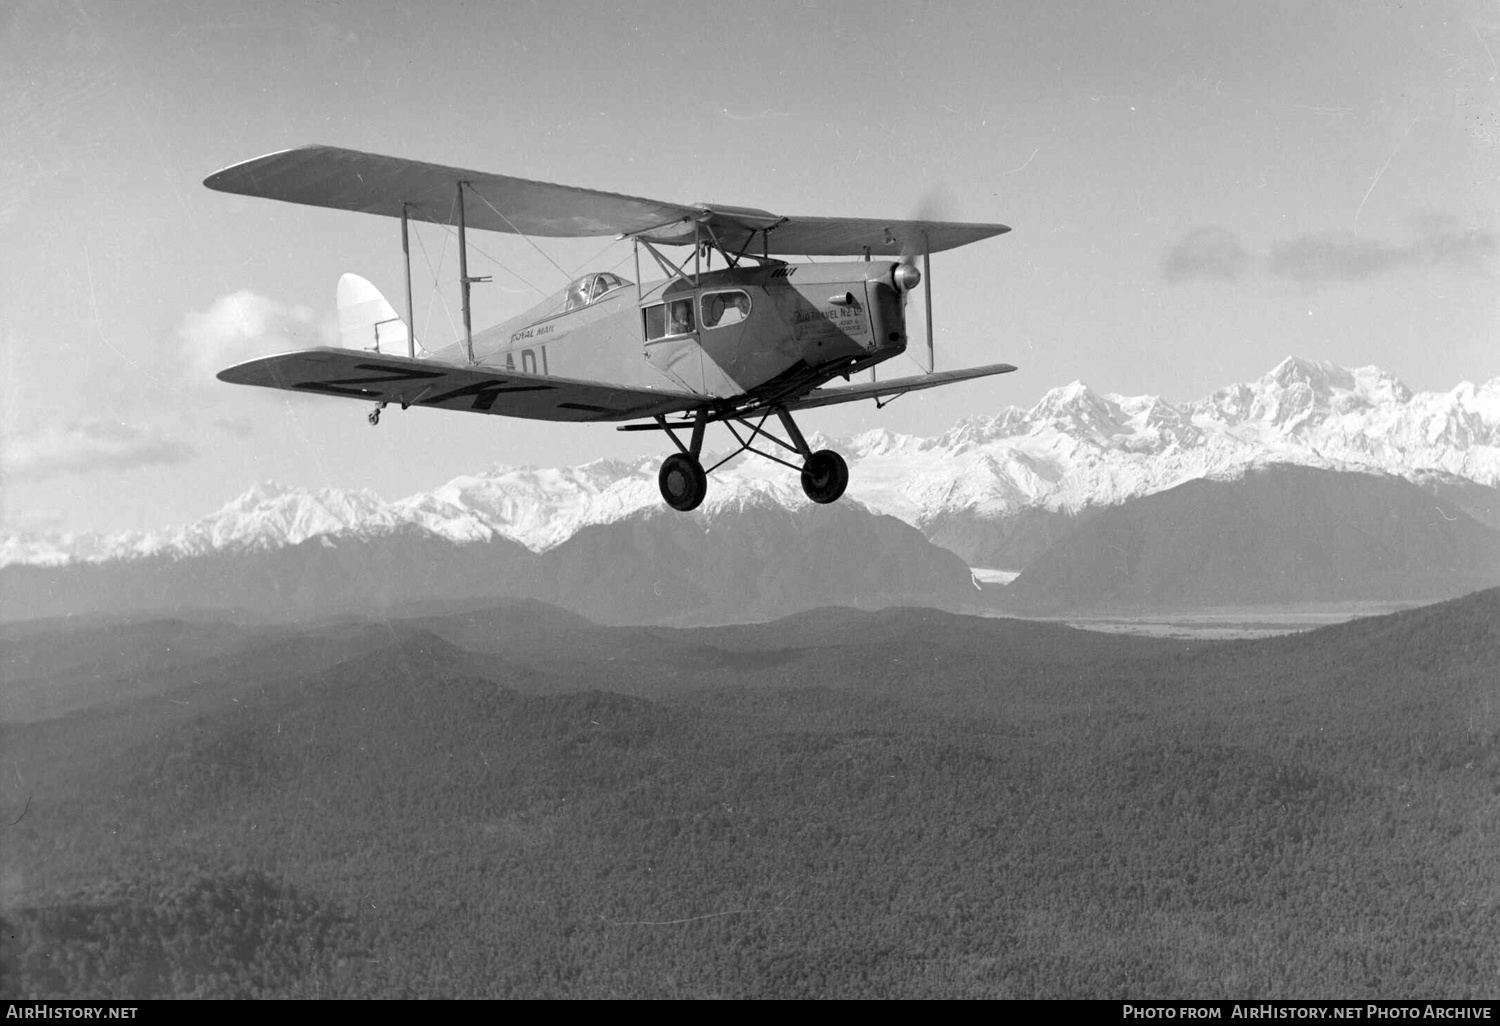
[[374, 417], [825, 476], [683, 482]]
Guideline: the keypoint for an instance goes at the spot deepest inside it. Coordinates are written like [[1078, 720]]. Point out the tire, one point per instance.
[[825, 476], [682, 481]]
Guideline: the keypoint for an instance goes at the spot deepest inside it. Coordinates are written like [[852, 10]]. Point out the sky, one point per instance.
[[1196, 190]]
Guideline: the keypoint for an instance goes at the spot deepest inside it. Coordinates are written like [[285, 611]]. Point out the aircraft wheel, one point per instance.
[[683, 482], [825, 476]]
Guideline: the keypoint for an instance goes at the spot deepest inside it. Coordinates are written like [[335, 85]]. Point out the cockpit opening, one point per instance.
[[577, 294], [583, 291]]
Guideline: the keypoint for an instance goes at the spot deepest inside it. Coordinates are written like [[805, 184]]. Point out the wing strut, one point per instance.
[[927, 298], [464, 280], [411, 325]]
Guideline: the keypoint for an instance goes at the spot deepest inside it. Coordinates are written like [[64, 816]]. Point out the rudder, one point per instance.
[[368, 321]]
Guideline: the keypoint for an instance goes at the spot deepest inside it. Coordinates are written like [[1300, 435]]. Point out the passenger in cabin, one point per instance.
[[724, 308], [713, 311], [682, 317]]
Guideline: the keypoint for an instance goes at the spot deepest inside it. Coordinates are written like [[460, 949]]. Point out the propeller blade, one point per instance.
[[932, 207], [936, 204]]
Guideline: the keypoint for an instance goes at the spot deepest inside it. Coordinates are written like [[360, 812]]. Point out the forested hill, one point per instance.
[[509, 801], [1278, 535]]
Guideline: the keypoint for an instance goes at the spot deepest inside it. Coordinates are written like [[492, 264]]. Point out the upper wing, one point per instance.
[[328, 176], [895, 386], [400, 379], [837, 236]]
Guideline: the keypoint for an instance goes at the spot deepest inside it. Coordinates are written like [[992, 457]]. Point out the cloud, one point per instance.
[[36, 520], [90, 445], [1206, 253], [1314, 259], [242, 326], [1435, 243], [239, 427], [1318, 260]]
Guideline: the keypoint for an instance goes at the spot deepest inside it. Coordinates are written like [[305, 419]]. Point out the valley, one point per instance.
[[510, 801]]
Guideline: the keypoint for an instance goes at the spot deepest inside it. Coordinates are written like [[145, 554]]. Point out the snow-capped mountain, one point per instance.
[[1074, 450], [1077, 448], [268, 516]]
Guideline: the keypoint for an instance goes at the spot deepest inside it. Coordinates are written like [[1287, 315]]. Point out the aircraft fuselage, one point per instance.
[[731, 333]]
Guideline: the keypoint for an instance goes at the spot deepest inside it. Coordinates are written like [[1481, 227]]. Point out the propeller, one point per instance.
[[907, 277]]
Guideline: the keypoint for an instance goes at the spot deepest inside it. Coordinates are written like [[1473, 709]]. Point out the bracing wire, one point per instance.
[[590, 261], [507, 270], [448, 232], [435, 293], [539, 249], [531, 285]]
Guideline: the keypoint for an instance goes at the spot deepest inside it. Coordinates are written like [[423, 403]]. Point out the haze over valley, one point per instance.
[[510, 801]]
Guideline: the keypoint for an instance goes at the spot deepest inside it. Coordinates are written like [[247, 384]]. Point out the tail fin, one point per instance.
[[367, 321]]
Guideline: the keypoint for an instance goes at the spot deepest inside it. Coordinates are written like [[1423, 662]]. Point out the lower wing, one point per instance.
[[474, 389], [893, 387]]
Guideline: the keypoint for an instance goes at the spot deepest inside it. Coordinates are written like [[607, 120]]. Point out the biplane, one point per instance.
[[736, 344]]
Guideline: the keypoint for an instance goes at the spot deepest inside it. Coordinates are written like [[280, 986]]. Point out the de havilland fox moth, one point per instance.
[[735, 344]]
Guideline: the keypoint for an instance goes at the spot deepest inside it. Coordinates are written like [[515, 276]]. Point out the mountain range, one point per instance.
[[1019, 491], [751, 560], [997, 490]]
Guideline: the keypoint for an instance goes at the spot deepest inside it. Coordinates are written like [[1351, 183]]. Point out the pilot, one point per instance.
[[682, 317]]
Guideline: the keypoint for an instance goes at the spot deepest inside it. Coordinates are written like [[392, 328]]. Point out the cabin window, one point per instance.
[[721, 309], [656, 320], [672, 318]]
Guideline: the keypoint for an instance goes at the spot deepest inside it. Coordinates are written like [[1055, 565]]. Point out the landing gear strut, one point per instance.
[[825, 475], [684, 481]]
